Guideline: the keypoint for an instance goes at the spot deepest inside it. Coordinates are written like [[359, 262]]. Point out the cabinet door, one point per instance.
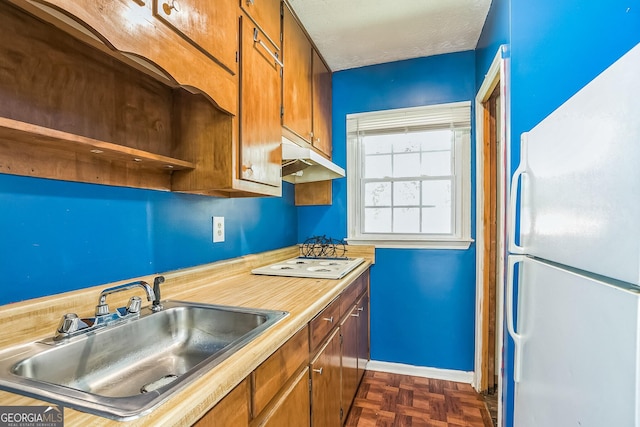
[[321, 106], [349, 332], [293, 408], [272, 375], [362, 307], [266, 14], [232, 410], [260, 129], [211, 26], [296, 97], [325, 384]]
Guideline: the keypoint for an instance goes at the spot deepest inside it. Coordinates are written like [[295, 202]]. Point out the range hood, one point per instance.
[[300, 164]]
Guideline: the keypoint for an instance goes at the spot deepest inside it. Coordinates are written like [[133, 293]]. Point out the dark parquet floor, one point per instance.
[[391, 400]]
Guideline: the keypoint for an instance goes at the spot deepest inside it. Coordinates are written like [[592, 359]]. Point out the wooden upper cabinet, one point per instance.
[[265, 14], [306, 83], [296, 79], [321, 106], [128, 31], [211, 26], [260, 128]]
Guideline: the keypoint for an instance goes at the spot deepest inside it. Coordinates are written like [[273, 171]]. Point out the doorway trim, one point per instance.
[[497, 74]]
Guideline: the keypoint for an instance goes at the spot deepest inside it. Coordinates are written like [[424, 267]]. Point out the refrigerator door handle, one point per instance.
[[513, 196], [517, 338]]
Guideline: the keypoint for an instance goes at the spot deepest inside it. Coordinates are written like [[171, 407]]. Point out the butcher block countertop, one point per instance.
[[226, 282]]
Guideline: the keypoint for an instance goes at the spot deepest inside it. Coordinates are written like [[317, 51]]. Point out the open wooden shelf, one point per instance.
[[21, 132]]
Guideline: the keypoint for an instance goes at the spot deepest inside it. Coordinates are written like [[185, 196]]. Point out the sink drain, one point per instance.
[[160, 382]]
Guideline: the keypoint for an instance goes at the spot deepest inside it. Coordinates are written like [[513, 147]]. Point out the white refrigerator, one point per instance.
[[573, 291]]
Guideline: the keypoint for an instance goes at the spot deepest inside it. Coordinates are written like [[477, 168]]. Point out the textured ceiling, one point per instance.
[[355, 33]]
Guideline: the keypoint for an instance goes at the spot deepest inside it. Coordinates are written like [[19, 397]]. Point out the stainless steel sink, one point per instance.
[[126, 370]]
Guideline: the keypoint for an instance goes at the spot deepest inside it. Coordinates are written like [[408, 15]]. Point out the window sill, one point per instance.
[[462, 244]]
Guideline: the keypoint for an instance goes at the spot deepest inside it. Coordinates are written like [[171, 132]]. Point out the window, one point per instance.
[[409, 177]]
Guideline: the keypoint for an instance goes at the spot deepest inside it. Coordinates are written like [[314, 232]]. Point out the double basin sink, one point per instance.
[[125, 370]]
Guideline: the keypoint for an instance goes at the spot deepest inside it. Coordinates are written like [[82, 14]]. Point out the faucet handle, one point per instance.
[[134, 305], [68, 324], [102, 309]]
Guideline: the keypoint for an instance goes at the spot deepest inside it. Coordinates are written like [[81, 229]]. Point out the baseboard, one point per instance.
[[421, 371]]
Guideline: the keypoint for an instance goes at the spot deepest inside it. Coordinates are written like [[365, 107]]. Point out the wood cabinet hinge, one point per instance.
[[237, 56], [341, 414], [281, 111]]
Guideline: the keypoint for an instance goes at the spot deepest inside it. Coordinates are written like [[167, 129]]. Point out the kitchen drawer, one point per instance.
[[232, 410], [269, 378], [350, 295], [323, 323]]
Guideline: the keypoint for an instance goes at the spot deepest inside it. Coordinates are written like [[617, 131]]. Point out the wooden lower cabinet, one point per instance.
[[292, 410], [362, 308], [349, 354], [325, 384], [312, 379], [232, 410]]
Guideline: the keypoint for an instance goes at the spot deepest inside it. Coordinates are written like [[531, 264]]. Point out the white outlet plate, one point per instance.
[[218, 229]]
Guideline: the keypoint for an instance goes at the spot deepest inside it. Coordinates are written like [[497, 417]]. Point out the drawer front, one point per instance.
[[269, 378], [232, 410], [351, 294], [323, 323]]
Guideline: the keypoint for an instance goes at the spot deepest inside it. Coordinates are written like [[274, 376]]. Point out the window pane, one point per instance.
[[379, 144], [377, 166], [406, 220], [436, 214], [406, 193], [408, 170], [437, 140], [407, 143], [436, 163], [377, 220], [377, 194], [406, 165]]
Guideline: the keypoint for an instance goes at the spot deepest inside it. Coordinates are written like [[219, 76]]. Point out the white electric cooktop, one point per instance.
[[315, 268]]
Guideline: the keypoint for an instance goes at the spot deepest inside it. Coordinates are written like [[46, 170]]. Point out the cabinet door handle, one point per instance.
[[355, 314], [168, 7], [328, 319], [319, 371], [360, 308], [265, 47], [250, 2]]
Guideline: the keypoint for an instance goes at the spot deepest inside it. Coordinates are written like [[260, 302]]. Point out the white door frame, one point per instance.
[[498, 73]]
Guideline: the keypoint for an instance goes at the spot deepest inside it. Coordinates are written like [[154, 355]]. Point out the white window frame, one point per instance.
[[439, 116]]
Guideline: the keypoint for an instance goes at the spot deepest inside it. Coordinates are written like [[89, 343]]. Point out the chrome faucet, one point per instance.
[[71, 325], [102, 309]]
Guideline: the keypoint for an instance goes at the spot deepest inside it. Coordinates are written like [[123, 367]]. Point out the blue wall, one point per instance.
[[58, 236], [422, 301], [555, 49], [495, 32]]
